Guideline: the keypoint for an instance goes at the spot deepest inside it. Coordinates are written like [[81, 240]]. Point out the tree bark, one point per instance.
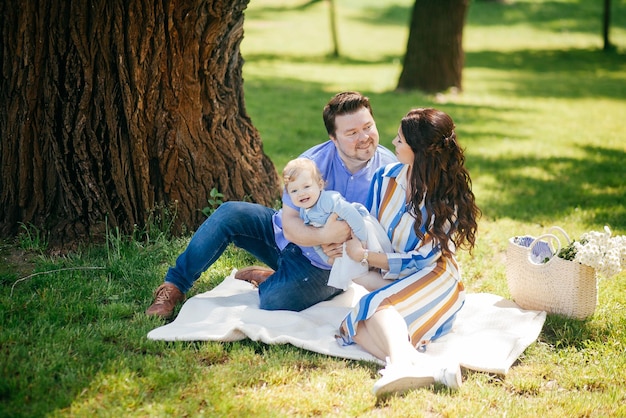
[[111, 108], [434, 56]]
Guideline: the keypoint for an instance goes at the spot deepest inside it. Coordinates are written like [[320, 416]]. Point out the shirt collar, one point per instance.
[[403, 177]]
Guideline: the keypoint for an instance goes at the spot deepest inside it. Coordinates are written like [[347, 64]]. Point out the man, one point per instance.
[[297, 277]]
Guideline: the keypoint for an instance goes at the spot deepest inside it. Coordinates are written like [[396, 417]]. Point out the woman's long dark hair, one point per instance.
[[439, 177]]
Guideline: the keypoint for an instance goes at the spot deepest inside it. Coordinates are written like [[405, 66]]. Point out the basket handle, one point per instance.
[[536, 240], [562, 231]]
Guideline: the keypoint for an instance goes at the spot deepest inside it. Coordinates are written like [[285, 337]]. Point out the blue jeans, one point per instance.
[[296, 283]]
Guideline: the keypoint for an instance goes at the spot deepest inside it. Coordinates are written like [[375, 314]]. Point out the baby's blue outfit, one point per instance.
[[329, 202]]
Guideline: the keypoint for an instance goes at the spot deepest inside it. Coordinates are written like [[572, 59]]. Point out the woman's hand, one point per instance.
[[356, 251]]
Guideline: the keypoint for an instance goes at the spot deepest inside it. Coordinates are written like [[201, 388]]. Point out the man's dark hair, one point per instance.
[[343, 103]]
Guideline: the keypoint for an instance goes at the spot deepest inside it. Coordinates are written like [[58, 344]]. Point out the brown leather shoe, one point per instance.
[[255, 274], [166, 297]]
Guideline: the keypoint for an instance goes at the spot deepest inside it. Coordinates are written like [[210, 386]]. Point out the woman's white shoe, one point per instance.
[[450, 376], [399, 379]]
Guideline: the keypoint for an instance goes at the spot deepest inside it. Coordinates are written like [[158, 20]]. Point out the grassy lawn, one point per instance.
[[541, 118]]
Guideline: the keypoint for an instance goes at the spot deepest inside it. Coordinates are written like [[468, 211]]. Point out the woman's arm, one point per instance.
[[397, 264], [355, 251]]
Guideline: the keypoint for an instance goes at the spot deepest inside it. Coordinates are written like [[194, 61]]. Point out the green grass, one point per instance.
[[541, 118]]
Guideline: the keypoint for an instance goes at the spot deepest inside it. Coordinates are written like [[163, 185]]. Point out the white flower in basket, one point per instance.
[[598, 250]]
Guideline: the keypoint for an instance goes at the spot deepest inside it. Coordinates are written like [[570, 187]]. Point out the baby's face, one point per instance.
[[304, 190]]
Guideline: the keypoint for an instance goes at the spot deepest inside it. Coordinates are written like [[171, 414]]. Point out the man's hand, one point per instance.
[[333, 251], [296, 231], [335, 230]]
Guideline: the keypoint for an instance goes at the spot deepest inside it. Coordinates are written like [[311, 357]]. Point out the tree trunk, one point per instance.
[[110, 108], [334, 33], [606, 26], [434, 55]]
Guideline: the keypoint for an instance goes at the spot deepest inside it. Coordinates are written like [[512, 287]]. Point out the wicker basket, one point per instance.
[[557, 286]]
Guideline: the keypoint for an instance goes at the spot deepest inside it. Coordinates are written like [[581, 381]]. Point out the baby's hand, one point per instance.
[[354, 249]]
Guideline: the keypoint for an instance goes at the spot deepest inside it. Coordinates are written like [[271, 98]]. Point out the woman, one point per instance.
[[426, 205]]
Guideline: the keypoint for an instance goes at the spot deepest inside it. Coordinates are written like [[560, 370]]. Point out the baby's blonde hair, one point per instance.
[[297, 166]]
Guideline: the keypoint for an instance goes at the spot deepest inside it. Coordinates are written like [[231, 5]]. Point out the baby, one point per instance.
[[305, 186]]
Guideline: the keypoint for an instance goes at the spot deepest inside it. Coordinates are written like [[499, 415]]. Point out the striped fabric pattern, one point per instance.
[[427, 290], [387, 202]]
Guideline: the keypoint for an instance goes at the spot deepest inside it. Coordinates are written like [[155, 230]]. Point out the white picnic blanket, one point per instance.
[[489, 334]]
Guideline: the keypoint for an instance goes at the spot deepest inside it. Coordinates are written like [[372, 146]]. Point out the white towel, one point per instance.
[[489, 334]]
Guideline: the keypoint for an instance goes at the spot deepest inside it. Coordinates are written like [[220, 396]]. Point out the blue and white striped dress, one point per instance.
[[426, 288]]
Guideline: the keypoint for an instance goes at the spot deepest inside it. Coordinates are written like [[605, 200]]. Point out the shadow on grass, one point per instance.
[[562, 332], [66, 337], [557, 16], [573, 73], [580, 16], [564, 185], [382, 15], [318, 59]]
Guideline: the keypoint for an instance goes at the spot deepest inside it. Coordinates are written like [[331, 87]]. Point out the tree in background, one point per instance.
[[110, 108], [434, 56], [606, 27], [332, 19]]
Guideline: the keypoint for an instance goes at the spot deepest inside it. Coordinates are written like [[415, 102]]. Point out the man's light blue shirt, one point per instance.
[[354, 187]]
